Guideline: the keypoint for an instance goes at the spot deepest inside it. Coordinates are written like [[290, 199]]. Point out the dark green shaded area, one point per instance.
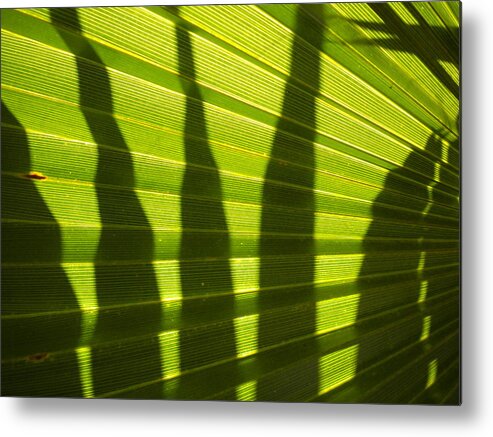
[[118, 205], [429, 199], [205, 244], [44, 246], [448, 367], [399, 294], [298, 119]]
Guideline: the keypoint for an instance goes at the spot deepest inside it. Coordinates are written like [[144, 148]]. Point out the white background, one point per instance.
[[76, 417]]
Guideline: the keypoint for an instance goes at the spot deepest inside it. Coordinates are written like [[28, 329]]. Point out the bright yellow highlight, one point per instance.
[[337, 368], [169, 343], [423, 291], [422, 256], [247, 391], [85, 370], [432, 373], [259, 87], [246, 334], [340, 268], [336, 312], [238, 25], [245, 274], [451, 70], [169, 282], [426, 328]]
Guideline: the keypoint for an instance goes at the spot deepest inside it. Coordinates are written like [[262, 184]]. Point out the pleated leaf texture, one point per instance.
[[234, 202]]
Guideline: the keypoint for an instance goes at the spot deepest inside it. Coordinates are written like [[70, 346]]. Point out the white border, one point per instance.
[[75, 417]]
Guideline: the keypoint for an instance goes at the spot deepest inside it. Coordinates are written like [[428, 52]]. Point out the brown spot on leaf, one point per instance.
[[39, 357], [36, 176]]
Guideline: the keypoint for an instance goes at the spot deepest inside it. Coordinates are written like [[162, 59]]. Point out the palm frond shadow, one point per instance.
[[40, 244], [118, 205], [411, 38], [381, 289]]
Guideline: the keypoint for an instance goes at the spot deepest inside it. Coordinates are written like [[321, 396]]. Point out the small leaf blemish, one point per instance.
[[36, 176], [39, 357]]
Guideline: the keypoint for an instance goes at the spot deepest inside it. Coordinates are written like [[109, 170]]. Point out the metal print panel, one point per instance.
[[235, 202]]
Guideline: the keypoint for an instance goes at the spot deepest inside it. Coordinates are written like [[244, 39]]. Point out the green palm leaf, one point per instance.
[[249, 202]]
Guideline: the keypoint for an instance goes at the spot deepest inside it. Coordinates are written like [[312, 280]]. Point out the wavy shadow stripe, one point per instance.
[[202, 251], [118, 204], [298, 106], [38, 288]]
